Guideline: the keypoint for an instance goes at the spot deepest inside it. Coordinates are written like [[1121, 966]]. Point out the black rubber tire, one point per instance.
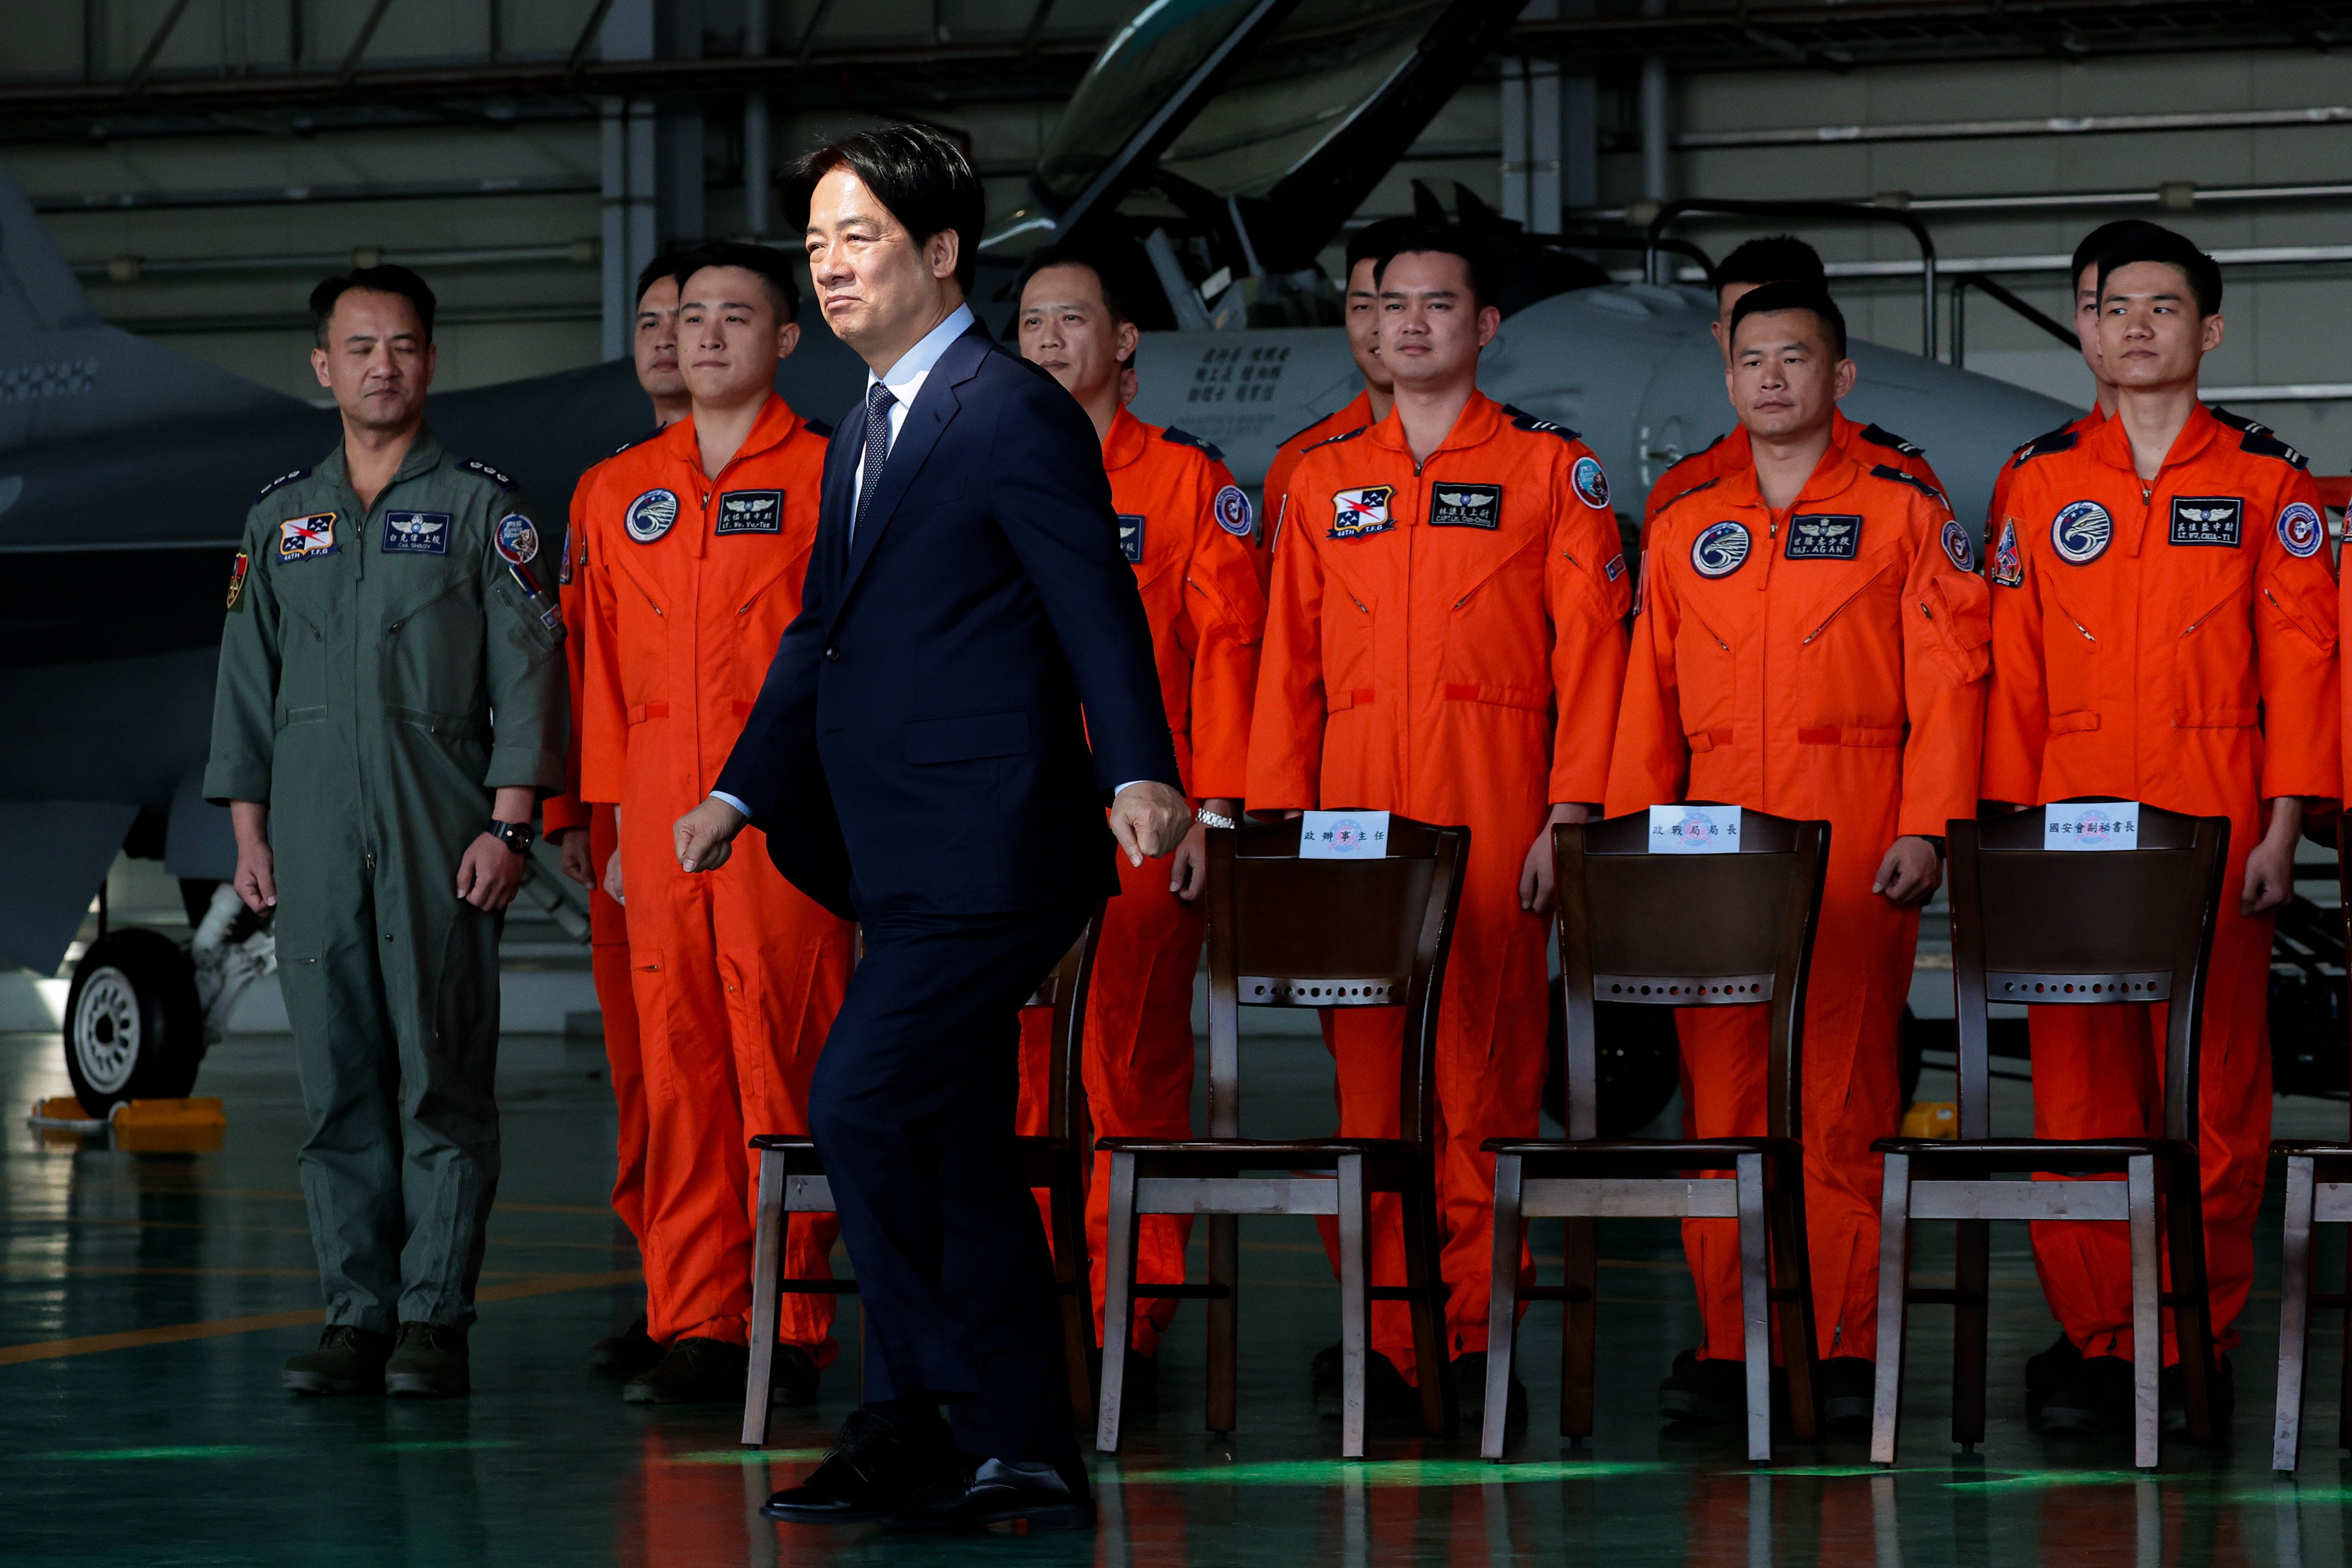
[[1638, 1065], [133, 1028]]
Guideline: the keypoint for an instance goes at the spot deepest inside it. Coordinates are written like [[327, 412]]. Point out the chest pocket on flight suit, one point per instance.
[[1707, 672], [308, 594], [1498, 638], [2070, 654], [1850, 653], [1351, 653], [2214, 683]]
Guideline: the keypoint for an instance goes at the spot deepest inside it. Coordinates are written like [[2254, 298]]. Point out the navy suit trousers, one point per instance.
[[912, 1108]]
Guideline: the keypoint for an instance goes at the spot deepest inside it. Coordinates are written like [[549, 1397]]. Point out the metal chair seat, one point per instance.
[[2050, 1155], [1650, 1152], [1242, 1152]]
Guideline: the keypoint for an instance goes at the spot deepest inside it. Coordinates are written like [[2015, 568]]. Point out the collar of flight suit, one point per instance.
[[1125, 443], [1476, 426], [773, 427], [1833, 476], [423, 453], [2109, 443]]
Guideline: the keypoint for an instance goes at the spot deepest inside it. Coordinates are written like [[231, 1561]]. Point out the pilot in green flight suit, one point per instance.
[[391, 706]]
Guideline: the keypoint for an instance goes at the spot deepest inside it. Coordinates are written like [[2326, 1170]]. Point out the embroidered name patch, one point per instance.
[[1130, 536], [1959, 545], [650, 516], [1466, 507], [1825, 536], [517, 540], [1719, 548], [2080, 532], [1355, 513], [749, 512], [1591, 484], [416, 533], [2300, 531], [1232, 510], [2208, 520], [302, 539]]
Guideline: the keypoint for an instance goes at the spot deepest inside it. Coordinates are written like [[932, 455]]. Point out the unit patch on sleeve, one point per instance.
[[302, 539], [2208, 520], [238, 571], [2008, 565], [2300, 531], [1466, 507], [1962, 548], [563, 565], [1130, 536], [517, 540], [650, 516], [2080, 532], [1719, 548], [1824, 536], [1616, 567], [1591, 484], [416, 533], [749, 512], [1356, 513], [1232, 510]]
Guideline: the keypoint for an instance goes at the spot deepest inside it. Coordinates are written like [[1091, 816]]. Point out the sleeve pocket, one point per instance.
[[968, 737]]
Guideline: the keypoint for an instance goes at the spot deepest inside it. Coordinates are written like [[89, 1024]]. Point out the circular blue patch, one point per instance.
[[518, 541], [1959, 545], [1232, 510], [1591, 483], [2300, 531], [1719, 549], [650, 516], [2080, 532]]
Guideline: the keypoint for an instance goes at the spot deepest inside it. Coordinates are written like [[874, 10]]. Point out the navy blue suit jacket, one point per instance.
[[921, 741]]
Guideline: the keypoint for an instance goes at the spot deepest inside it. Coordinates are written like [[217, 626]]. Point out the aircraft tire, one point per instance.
[[133, 1026]]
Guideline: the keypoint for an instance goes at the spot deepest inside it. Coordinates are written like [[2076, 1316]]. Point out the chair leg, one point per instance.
[[770, 1223], [1788, 1268], [1433, 1369], [1754, 1290], [1118, 1298], [1355, 1305], [1971, 1321], [2295, 1314], [1893, 1296], [1074, 1280], [1224, 1320], [2147, 1329], [2192, 1313], [1502, 1305], [1580, 1322]]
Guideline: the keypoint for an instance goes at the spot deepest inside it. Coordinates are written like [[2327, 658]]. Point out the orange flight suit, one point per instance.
[[2174, 643], [1446, 640], [1355, 415], [1188, 530], [608, 927], [1867, 445], [689, 582], [1827, 662]]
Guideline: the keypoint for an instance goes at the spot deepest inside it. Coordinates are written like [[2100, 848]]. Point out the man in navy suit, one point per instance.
[[970, 680]]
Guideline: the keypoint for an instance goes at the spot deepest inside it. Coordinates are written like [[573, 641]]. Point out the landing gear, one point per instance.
[[133, 1028]]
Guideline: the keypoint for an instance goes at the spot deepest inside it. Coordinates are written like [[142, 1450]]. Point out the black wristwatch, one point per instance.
[[516, 836]]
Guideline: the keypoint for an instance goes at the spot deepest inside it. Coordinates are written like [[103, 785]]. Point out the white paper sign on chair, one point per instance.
[[1693, 829], [2102, 825], [1343, 835]]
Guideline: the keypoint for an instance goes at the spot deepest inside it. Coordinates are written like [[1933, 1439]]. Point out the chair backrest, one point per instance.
[[1290, 932], [1065, 990], [1688, 931], [2038, 925]]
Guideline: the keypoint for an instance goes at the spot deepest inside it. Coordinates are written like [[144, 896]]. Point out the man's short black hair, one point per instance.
[[2104, 238], [921, 176], [1771, 296], [375, 280], [1376, 242], [1114, 294], [1774, 258], [2203, 273], [773, 267], [660, 266], [1435, 239]]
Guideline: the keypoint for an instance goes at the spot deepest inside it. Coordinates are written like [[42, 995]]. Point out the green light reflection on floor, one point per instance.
[[447, 1446], [1377, 1473], [122, 1456], [743, 1456], [1836, 1471], [2021, 1481]]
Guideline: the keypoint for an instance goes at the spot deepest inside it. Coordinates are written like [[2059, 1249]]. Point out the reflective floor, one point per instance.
[[147, 1301]]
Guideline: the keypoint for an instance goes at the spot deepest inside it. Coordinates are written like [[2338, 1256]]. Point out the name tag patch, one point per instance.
[[1131, 538], [302, 538], [1466, 507], [416, 533], [1825, 536], [2208, 520], [749, 512], [1356, 513]]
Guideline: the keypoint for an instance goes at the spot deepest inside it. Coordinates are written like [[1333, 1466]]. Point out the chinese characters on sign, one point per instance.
[[2103, 825], [1343, 835], [1693, 829]]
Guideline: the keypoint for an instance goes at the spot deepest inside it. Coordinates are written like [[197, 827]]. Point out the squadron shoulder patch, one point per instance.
[[1186, 438], [650, 516], [1720, 548], [517, 539], [1522, 420], [564, 561], [2080, 532], [1130, 536], [2008, 562], [476, 466], [304, 539], [2208, 520], [1877, 435], [1357, 513], [238, 570], [1591, 484], [749, 512], [1231, 509], [2300, 530], [1958, 548], [415, 533], [1466, 507], [1824, 536], [280, 483]]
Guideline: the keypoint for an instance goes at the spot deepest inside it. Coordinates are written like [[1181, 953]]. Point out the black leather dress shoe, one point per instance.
[[628, 1352], [692, 1372], [874, 1466], [1040, 1495]]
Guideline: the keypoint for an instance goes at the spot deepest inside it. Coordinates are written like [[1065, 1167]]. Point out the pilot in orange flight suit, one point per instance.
[[690, 581], [1823, 662], [1866, 445], [2171, 642], [1446, 642]]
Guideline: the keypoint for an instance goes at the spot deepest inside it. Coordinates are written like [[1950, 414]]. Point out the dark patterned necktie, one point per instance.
[[879, 401]]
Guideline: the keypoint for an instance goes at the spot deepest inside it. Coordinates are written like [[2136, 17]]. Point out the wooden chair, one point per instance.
[[1290, 932], [2064, 928], [1673, 931], [2318, 1192], [793, 1181]]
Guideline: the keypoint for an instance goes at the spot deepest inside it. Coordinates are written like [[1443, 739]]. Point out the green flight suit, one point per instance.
[[384, 669]]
